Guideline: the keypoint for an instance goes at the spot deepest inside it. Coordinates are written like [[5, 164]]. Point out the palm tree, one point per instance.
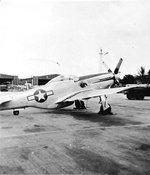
[[141, 71], [148, 77], [148, 72], [128, 79], [141, 75]]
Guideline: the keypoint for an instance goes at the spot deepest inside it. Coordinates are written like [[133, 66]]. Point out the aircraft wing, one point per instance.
[[90, 93]]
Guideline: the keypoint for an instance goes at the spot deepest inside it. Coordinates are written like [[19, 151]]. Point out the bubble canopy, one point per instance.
[[64, 78]]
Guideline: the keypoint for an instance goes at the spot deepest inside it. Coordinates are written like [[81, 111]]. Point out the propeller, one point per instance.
[[116, 71]]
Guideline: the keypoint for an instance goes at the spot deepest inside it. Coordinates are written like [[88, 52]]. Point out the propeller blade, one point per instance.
[[105, 65], [118, 66]]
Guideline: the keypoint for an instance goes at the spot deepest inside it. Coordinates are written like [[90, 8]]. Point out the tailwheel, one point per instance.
[[16, 112]]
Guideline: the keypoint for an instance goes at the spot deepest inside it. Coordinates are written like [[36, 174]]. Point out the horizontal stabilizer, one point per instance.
[[5, 99]]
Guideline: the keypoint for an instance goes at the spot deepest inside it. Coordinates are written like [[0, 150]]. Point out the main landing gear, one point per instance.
[[16, 112], [105, 107], [79, 104]]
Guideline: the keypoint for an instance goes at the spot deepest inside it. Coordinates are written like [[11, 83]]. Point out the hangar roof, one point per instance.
[[48, 76], [5, 76]]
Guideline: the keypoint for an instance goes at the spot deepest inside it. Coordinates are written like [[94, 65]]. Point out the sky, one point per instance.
[[35, 35]]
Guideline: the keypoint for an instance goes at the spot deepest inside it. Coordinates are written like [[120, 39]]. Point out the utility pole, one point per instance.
[[101, 60]]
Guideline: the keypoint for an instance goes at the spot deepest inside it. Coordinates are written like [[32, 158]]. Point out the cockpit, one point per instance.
[[64, 78], [73, 78]]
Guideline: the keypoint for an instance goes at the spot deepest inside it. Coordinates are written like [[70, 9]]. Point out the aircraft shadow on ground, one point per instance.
[[103, 120]]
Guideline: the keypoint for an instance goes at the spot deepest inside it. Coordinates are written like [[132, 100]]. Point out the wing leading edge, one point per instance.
[[90, 93]]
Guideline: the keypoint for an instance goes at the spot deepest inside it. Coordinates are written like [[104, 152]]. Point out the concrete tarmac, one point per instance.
[[71, 141]]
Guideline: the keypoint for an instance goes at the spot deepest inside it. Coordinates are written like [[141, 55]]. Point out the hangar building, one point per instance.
[[5, 80], [8, 79], [38, 80]]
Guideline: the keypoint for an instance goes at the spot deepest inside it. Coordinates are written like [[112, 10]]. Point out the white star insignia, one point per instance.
[[40, 96]]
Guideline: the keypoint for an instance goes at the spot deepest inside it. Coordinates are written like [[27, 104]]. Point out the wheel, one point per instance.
[[131, 96], [77, 104], [82, 105], [140, 96], [16, 112], [105, 112]]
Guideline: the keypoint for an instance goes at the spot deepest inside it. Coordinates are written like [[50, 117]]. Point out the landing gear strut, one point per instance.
[[79, 104], [16, 112], [105, 107]]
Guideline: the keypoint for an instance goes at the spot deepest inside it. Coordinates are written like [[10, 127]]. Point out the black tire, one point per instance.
[[131, 96], [82, 105], [140, 96], [16, 112], [77, 104], [105, 112]]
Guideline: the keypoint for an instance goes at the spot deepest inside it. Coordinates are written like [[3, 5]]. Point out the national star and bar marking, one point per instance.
[[40, 95]]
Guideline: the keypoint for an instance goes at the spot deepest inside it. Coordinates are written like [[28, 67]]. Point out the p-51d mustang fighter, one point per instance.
[[64, 91]]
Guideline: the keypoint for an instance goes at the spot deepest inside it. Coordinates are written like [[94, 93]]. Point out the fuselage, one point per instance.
[[47, 95]]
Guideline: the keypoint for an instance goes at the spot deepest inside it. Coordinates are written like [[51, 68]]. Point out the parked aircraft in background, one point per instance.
[[63, 91]]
